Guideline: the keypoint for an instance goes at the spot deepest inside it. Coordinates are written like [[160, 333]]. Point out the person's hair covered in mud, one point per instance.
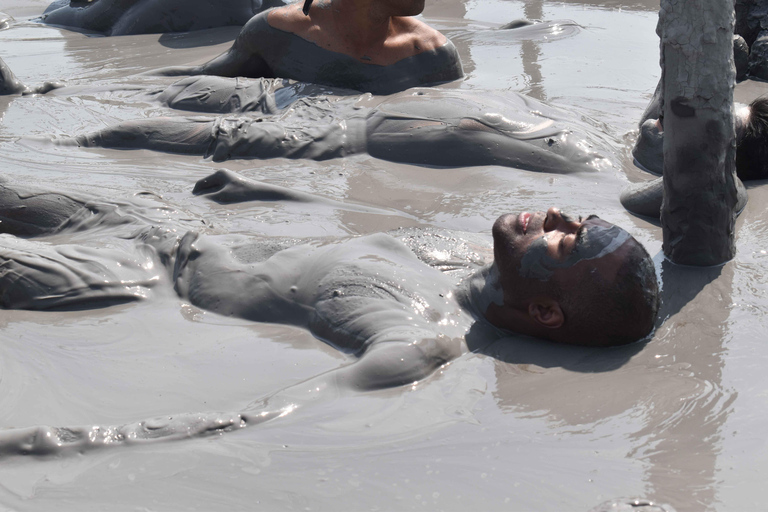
[[752, 142]]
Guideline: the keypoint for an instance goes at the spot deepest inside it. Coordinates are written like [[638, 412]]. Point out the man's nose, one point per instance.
[[557, 221]]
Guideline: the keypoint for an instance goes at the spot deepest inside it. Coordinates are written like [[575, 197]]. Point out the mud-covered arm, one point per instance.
[[244, 58], [398, 363], [392, 364]]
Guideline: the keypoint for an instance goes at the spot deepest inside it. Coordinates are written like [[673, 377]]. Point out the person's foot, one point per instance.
[[224, 186]]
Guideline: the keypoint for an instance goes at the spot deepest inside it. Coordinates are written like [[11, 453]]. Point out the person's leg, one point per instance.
[[232, 137], [171, 134]]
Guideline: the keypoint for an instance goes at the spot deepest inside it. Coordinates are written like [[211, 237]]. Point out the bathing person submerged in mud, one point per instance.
[[278, 119], [368, 45], [751, 126], [420, 126], [381, 298], [546, 267]]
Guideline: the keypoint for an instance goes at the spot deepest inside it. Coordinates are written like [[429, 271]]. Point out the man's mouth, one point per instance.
[[524, 219]]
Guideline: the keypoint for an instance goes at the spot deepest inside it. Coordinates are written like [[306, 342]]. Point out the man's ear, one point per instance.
[[547, 313]]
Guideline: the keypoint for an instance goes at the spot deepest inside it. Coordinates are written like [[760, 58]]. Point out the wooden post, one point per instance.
[[697, 215]]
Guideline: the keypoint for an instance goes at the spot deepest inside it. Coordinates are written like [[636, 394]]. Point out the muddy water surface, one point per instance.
[[524, 425]]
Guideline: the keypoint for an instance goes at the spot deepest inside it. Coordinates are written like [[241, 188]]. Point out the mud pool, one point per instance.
[[525, 425]]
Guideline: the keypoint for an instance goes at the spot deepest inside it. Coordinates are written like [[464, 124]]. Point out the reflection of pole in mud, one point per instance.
[[664, 401], [682, 437], [698, 75], [530, 52]]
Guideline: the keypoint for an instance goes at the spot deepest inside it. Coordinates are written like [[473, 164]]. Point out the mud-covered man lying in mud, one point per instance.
[[278, 119], [382, 298]]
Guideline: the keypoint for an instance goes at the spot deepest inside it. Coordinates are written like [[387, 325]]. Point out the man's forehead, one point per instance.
[[597, 239]]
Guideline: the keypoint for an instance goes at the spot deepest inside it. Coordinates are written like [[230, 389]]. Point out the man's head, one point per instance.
[[751, 123], [752, 140], [573, 280]]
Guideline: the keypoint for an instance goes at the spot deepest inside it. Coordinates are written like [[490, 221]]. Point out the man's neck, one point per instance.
[[480, 290]]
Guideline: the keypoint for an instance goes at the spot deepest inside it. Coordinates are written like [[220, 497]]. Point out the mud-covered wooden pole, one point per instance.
[[697, 214]]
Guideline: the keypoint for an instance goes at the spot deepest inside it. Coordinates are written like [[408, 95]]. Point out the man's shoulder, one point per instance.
[[422, 37], [288, 18]]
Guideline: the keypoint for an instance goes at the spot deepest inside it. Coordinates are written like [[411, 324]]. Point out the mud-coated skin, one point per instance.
[[334, 288], [645, 198], [261, 50], [452, 128], [402, 304], [125, 17]]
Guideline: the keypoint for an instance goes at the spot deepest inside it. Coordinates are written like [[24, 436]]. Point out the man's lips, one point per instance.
[[523, 220]]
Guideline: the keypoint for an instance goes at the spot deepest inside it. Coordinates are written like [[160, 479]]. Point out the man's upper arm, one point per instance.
[[392, 364]]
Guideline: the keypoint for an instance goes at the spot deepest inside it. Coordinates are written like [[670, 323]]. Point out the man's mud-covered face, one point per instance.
[[544, 252]]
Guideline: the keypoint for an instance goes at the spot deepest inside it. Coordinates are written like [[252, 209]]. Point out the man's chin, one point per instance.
[[505, 227]]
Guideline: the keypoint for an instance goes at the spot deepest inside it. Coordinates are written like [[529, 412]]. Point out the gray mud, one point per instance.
[[518, 425]]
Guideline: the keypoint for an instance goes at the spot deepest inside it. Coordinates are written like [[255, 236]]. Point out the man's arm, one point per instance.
[[242, 59], [388, 365]]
